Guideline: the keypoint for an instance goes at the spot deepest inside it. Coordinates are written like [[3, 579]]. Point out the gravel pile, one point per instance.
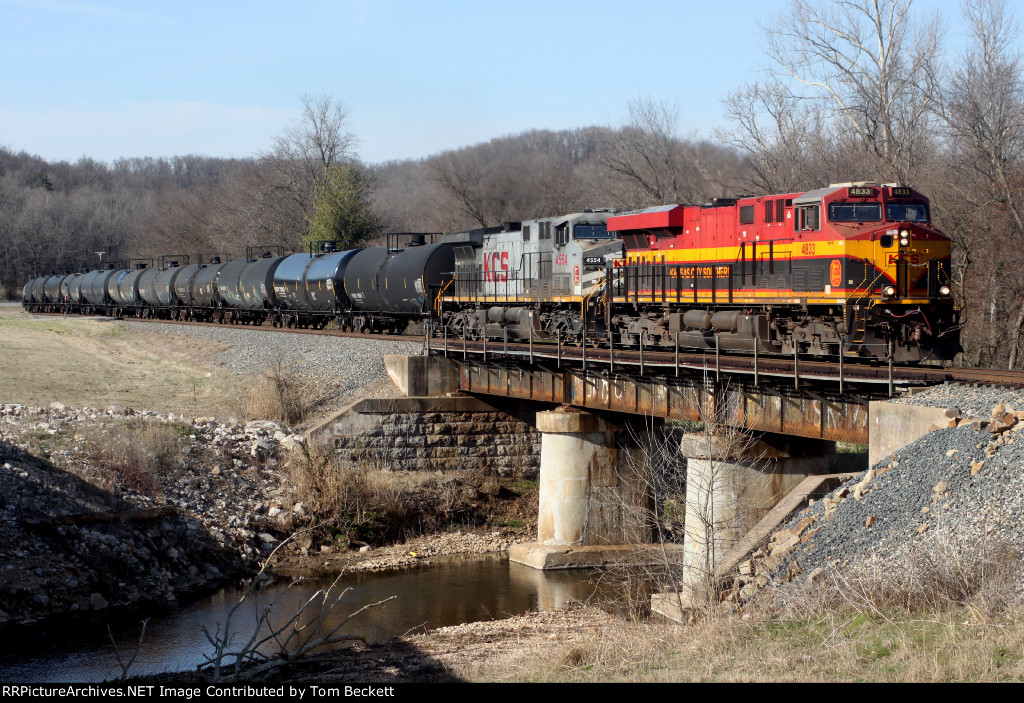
[[971, 401], [339, 366], [956, 490], [417, 550]]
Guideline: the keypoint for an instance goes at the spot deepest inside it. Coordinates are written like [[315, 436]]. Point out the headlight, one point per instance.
[[889, 291], [904, 237], [944, 290]]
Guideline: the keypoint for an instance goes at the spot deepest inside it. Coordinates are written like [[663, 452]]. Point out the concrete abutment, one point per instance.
[[733, 478]]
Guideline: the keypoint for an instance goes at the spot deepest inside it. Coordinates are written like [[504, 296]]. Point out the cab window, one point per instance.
[[854, 212], [808, 217], [906, 212]]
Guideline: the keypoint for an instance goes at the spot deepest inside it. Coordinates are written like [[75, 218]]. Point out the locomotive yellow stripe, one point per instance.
[[794, 299], [797, 250]]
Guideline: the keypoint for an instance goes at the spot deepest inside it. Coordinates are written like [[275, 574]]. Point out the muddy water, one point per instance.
[[452, 592]]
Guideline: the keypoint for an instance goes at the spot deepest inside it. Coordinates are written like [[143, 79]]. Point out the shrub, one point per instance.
[[135, 452]]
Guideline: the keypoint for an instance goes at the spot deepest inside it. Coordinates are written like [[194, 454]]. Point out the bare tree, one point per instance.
[[983, 110], [647, 163], [318, 140], [867, 65], [303, 157], [790, 142]]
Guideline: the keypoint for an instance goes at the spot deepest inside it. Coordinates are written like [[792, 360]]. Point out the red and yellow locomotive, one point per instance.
[[854, 268]]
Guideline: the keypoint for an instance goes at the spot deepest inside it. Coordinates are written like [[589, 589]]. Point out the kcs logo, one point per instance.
[[496, 266], [835, 273], [915, 259]]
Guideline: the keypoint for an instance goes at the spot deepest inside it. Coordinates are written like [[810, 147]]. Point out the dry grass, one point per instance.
[[279, 398], [81, 361], [847, 646], [135, 453], [367, 502]]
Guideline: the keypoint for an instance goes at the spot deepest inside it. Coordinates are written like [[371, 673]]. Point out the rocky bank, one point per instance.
[[185, 506], [78, 532]]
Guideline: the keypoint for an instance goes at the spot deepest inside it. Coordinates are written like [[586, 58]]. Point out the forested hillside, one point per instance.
[[857, 90], [310, 185]]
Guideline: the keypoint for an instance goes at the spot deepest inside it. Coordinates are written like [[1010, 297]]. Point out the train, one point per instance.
[[375, 289], [854, 269]]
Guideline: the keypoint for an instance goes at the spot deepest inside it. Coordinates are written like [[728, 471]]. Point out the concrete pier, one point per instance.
[[589, 492], [732, 480], [595, 502]]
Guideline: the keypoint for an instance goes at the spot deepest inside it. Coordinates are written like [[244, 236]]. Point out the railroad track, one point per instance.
[[795, 369], [261, 328], [661, 363]]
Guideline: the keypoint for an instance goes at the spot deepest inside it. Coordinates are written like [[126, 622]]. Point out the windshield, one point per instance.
[[854, 212], [906, 212], [587, 231]]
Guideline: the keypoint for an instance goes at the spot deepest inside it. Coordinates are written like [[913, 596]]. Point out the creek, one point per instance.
[[451, 592]]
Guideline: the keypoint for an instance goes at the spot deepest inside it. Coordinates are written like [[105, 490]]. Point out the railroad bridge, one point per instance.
[[594, 407]]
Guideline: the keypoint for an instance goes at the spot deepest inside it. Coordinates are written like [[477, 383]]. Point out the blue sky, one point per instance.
[[106, 78]]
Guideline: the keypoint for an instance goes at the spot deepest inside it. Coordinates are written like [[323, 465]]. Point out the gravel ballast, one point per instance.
[[955, 496], [971, 401]]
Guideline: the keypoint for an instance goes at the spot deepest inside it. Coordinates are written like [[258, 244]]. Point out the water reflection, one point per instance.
[[457, 591]]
